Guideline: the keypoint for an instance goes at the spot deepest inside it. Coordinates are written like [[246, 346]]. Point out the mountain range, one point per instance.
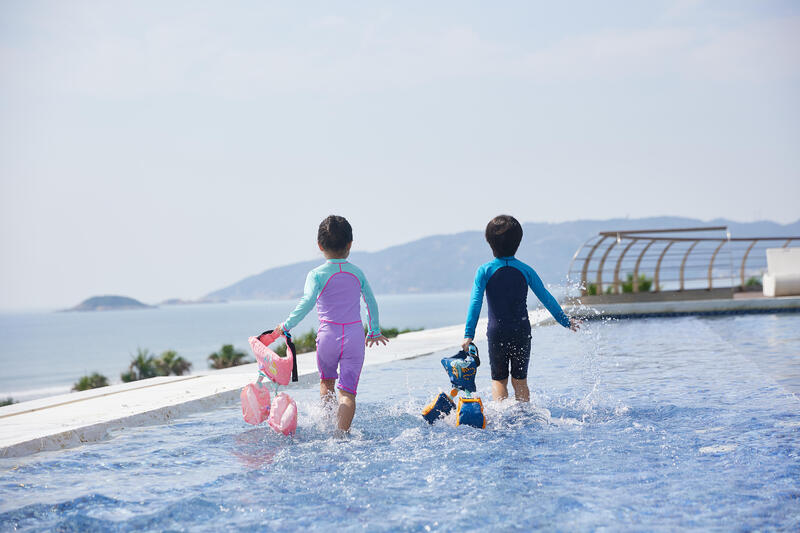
[[443, 263]]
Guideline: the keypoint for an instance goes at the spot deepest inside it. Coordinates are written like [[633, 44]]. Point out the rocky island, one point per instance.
[[109, 303]]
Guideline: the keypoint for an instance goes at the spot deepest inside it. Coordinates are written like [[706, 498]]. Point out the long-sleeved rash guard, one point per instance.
[[336, 287], [505, 281]]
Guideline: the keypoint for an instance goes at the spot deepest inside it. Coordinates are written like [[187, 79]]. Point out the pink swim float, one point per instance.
[[255, 403], [283, 414], [278, 369]]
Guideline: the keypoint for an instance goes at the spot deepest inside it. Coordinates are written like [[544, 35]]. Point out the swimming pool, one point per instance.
[[649, 424]]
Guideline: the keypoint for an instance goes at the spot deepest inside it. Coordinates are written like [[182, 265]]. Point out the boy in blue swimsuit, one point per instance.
[[505, 280]]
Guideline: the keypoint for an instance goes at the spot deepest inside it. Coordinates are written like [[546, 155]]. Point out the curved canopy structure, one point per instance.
[[669, 260]]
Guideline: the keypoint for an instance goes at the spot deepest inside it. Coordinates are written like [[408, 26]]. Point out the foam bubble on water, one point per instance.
[[410, 434], [709, 430], [563, 422], [411, 406], [319, 415], [717, 448], [588, 402], [513, 414], [647, 428], [591, 341], [621, 409]]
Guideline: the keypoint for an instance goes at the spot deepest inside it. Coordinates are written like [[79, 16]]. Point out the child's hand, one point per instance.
[[375, 340], [575, 324], [466, 343]]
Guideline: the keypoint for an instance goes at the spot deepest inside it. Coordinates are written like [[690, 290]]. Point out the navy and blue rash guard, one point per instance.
[[505, 281]]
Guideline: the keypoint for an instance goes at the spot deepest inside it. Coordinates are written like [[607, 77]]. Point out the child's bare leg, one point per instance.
[[521, 391], [499, 389], [327, 391], [347, 409]]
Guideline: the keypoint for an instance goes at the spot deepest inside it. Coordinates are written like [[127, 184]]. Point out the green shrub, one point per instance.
[[143, 366], [308, 341], [302, 343], [645, 284], [391, 333], [146, 365], [753, 282], [591, 289], [7, 401], [227, 357], [92, 381], [170, 363]]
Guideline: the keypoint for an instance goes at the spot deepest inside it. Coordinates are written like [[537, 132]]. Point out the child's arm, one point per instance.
[[310, 293], [373, 319], [538, 288], [475, 304]]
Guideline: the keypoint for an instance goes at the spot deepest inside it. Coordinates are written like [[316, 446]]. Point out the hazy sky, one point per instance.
[[166, 149]]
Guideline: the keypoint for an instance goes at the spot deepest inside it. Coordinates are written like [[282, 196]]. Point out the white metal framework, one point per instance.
[[673, 260]]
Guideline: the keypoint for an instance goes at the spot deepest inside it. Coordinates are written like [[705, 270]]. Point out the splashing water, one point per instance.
[[649, 424]]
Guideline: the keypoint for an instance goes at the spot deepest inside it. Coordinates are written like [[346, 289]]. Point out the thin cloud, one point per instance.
[[190, 57]]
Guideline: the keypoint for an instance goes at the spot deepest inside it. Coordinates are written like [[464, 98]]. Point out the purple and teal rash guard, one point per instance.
[[336, 287], [505, 281]]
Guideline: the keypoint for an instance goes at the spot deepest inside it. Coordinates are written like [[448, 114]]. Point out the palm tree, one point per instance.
[[171, 363], [93, 381], [142, 366], [302, 343], [227, 357]]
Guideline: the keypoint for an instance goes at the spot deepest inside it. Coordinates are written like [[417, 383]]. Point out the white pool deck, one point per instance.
[[73, 419]]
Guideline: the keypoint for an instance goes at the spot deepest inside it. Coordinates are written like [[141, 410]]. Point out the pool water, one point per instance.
[[651, 424]]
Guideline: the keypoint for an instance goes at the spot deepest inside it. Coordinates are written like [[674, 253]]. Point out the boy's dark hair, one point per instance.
[[334, 234], [504, 233]]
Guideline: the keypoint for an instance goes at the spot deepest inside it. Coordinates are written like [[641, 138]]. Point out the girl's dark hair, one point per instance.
[[334, 234], [504, 233]]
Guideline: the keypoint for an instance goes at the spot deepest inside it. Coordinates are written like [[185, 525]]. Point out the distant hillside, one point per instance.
[[444, 263], [109, 303]]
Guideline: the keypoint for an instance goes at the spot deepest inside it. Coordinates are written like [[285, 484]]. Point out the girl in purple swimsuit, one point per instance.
[[336, 287]]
